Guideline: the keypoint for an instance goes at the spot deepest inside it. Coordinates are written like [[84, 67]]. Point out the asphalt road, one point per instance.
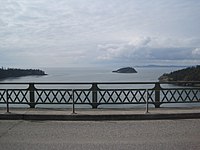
[[96, 135]]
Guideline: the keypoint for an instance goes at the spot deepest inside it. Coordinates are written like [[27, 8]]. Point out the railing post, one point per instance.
[[7, 102], [31, 89], [73, 103], [94, 89], [157, 89], [147, 102]]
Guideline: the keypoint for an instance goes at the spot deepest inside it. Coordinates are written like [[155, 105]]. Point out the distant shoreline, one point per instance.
[[190, 74], [6, 73], [167, 66]]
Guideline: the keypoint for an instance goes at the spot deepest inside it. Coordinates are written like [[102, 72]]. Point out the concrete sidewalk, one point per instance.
[[100, 114]]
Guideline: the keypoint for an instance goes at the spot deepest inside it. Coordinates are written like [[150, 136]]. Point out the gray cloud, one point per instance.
[[148, 49], [75, 32], [132, 49], [196, 52]]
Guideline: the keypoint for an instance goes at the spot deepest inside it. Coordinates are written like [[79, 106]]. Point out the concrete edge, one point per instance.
[[75, 117]]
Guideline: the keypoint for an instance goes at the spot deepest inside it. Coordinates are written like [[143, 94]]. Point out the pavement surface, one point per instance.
[[181, 134], [100, 113], [175, 128]]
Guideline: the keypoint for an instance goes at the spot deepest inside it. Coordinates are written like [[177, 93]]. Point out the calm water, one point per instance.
[[146, 74], [95, 75]]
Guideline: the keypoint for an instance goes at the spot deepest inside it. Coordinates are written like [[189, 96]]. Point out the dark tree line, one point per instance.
[[14, 72], [187, 74]]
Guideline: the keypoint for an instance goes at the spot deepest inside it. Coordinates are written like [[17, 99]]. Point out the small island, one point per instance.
[[14, 72], [187, 74], [126, 70]]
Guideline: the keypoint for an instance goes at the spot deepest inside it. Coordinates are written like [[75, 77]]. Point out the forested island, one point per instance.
[[125, 70], [187, 74], [14, 72]]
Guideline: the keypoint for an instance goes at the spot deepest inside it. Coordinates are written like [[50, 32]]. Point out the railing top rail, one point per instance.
[[126, 82], [74, 83], [170, 82]]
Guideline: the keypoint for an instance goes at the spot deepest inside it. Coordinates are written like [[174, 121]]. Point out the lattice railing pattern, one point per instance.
[[18, 96], [124, 96], [61, 96], [44, 96], [3, 96], [180, 95], [82, 96]]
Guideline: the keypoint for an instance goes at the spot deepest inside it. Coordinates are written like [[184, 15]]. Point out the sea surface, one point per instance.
[[147, 74]]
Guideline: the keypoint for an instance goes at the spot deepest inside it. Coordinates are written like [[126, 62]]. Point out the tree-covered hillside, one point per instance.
[[13, 72], [187, 74]]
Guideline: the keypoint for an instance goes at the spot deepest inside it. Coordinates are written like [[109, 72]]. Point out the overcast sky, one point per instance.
[[68, 33]]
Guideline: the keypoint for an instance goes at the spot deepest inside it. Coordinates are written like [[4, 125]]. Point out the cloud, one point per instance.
[[132, 49], [74, 32], [148, 49], [196, 52], [171, 53]]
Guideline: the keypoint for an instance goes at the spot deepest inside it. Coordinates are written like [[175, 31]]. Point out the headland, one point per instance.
[[15, 72]]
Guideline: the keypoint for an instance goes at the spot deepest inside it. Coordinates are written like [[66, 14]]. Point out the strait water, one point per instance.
[[95, 75], [144, 74]]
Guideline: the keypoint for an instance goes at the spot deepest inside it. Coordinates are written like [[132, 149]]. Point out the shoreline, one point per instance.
[[16, 73]]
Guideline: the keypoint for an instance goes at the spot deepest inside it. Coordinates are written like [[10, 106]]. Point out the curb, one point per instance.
[[76, 117]]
